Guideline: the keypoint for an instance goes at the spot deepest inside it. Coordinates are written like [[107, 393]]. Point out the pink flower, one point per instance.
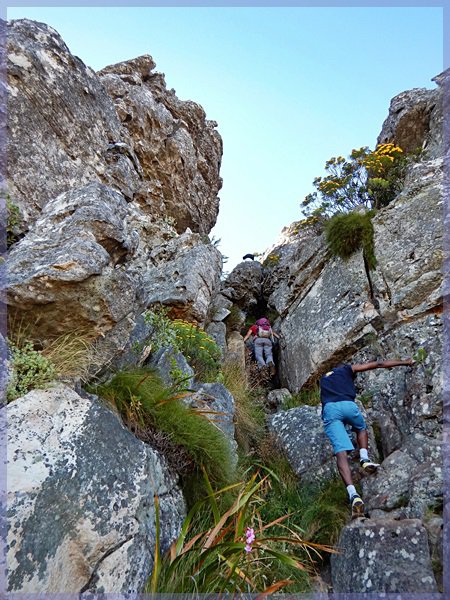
[[250, 535], [249, 538]]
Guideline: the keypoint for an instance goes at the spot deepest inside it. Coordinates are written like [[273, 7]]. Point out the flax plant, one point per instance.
[[237, 552]]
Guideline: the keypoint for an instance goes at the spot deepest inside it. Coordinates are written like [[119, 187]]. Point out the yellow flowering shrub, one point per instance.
[[370, 178]]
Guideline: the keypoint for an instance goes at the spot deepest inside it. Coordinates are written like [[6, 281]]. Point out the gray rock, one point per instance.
[[179, 150], [65, 274], [216, 398], [409, 250], [405, 400], [173, 367], [220, 308], [299, 431], [62, 125], [332, 320], [415, 119], [184, 274], [72, 454], [218, 331], [277, 398], [386, 556], [410, 479], [244, 285], [137, 348], [235, 349]]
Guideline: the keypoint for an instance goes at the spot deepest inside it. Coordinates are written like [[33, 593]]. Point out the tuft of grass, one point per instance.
[[71, 354], [325, 510], [348, 232], [309, 397], [249, 410], [143, 399]]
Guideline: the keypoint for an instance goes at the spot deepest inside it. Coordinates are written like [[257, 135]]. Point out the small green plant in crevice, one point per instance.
[[366, 398], [150, 408], [420, 355], [348, 232], [309, 397], [13, 219], [239, 551], [29, 370]]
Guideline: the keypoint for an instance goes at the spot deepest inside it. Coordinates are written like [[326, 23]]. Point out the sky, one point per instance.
[[288, 87]]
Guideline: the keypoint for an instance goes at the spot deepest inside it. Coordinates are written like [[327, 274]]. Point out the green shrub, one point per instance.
[[29, 370], [163, 333], [347, 233], [199, 349], [145, 401]]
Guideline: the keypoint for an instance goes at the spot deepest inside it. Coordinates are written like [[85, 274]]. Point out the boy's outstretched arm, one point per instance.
[[382, 364]]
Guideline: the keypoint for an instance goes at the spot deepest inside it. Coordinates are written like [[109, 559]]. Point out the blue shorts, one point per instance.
[[335, 416]]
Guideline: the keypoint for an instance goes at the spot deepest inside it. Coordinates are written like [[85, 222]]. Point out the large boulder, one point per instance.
[[244, 285], [91, 264], [183, 274], [65, 274], [63, 130], [179, 150], [383, 557], [81, 488], [415, 119]]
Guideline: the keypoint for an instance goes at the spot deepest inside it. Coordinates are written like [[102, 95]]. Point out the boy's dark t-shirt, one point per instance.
[[337, 385]]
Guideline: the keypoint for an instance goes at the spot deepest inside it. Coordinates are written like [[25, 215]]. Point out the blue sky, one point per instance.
[[289, 88]]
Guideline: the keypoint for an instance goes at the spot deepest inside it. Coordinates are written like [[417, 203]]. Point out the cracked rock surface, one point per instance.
[[80, 498]]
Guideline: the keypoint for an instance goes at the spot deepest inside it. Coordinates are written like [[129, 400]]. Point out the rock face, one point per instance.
[[99, 243], [178, 149], [101, 167], [67, 126], [391, 556], [333, 311], [84, 265], [63, 130], [72, 454]]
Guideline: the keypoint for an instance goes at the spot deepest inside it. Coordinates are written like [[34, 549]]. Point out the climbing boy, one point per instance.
[[337, 394]]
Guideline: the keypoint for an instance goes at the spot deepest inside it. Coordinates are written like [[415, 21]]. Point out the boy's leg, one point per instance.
[[362, 438], [344, 467]]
